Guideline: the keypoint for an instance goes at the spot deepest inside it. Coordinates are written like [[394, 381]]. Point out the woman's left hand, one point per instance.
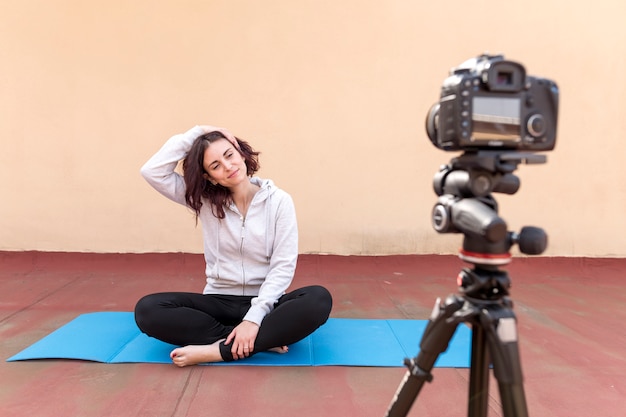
[[242, 337]]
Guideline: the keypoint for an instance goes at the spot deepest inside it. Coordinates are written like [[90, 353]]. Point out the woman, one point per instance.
[[250, 248]]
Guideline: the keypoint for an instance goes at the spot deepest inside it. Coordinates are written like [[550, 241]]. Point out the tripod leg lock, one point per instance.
[[417, 372]]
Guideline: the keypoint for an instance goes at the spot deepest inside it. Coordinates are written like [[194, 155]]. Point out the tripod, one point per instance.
[[466, 205], [494, 339]]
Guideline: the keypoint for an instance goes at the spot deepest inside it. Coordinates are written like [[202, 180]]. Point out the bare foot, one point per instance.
[[282, 349], [195, 354]]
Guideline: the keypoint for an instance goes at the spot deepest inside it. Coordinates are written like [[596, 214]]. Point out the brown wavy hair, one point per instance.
[[199, 188]]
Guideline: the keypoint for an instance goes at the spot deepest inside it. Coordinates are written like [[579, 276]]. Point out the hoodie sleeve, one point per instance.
[[283, 258], [159, 171]]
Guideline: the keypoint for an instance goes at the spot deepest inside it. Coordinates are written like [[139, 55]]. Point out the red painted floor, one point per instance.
[[571, 315]]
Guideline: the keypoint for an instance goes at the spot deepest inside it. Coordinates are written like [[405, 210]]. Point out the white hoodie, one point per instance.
[[255, 255]]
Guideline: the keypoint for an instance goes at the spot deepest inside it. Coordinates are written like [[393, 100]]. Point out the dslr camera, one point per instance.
[[489, 103]]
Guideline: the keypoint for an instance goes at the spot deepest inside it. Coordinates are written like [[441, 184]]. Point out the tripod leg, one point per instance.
[[479, 375], [439, 331], [500, 325]]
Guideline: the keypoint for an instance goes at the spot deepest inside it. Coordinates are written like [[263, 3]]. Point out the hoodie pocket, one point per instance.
[[221, 276]]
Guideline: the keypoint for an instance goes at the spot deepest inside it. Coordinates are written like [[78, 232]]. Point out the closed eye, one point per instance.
[[228, 154]]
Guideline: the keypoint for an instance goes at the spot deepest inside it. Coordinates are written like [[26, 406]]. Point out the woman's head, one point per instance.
[[208, 165]]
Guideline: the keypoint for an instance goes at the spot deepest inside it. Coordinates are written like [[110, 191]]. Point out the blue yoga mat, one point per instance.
[[113, 337]]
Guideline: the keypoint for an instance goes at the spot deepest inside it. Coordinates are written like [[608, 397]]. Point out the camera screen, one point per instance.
[[496, 118]]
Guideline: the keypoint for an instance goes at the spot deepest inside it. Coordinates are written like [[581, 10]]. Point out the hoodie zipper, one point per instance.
[[243, 270]]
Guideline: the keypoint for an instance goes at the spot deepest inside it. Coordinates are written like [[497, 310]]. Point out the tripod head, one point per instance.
[[466, 205]]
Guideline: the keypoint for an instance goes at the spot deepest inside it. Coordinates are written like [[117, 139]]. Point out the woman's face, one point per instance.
[[224, 164]]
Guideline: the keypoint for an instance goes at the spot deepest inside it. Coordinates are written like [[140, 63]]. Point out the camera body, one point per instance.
[[489, 103]]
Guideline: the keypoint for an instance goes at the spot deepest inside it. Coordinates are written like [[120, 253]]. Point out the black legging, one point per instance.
[[183, 318]]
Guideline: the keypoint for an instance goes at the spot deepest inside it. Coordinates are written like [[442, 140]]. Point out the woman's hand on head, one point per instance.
[[242, 338], [225, 132]]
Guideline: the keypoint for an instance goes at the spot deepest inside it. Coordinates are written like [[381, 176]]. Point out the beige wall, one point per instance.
[[334, 94]]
